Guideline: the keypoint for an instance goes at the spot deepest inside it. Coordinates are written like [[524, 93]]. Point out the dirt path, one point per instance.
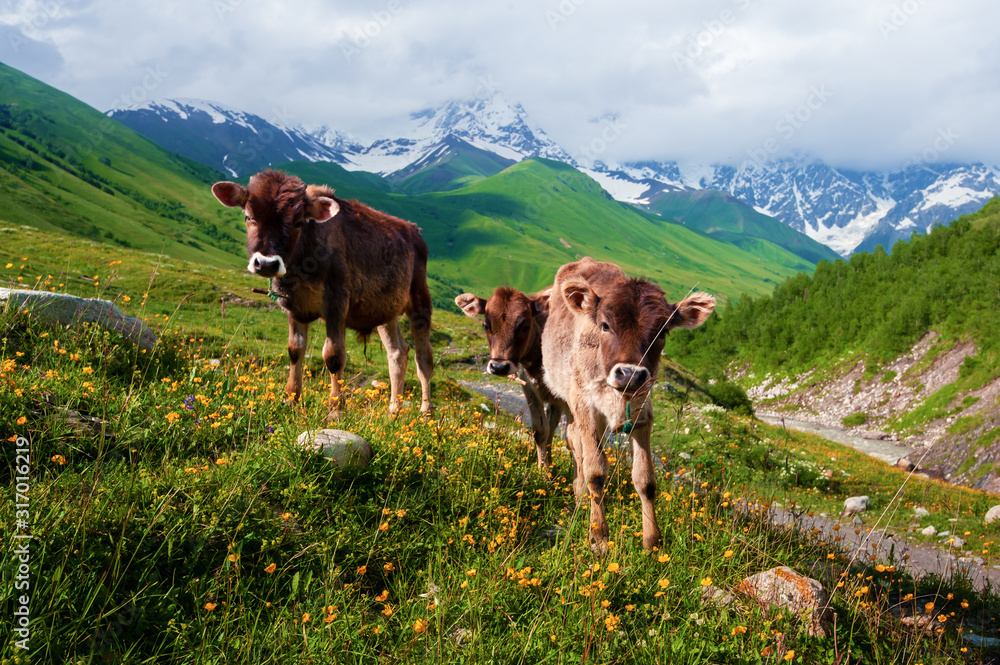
[[883, 450], [860, 545], [856, 540]]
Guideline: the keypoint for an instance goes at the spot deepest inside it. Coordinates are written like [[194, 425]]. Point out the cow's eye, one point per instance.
[[605, 327], [486, 326], [296, 225], [523, 324]]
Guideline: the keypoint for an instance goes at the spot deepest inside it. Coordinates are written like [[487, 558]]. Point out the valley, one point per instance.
[[846, 209], [184, 522], [487, 220]]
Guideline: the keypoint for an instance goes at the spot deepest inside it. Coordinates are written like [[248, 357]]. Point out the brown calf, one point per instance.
[[514, 322], [602, 345], [360, 270]]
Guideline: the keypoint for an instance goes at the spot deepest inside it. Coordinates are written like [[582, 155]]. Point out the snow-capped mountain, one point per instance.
[[227, 139], [844, 209], [490, 124]]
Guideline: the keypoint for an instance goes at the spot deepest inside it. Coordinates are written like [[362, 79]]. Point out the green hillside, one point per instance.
[[518, 226], [456, 164], [173, 509], [65, 166], [877, 305], [725, 218]]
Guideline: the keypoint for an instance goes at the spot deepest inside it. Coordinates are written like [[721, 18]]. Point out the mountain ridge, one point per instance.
[[67, 167], [846, 210]]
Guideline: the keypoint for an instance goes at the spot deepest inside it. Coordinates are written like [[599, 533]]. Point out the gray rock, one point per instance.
[[929, 531], [784, 588], [921, 512], [70, 310], [992, 515], [855, 505], [905, 464], [344, 449], [684, 456], [944, 533], [956, 542]]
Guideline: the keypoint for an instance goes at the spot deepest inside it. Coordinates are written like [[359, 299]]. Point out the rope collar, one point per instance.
[[270, 293], [627, 427]]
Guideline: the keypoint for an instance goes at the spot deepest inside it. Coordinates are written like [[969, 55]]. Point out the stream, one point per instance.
[[886, 451]]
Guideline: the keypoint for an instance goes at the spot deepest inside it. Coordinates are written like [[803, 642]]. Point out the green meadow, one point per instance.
[[175, 520]]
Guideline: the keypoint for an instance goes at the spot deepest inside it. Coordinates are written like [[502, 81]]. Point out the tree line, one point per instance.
[[875, 304]]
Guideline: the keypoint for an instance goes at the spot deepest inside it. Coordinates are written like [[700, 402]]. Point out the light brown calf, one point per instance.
[[341, 261], [602, 345], [514, 323]]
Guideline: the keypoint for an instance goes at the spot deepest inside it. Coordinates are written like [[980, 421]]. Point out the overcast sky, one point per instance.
[[858, 83]]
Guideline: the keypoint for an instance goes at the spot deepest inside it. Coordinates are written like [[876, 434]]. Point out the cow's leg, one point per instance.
[[298, 336], [420, 326], [594, 472], [335, 357], [539, 422], [644, 480], [578, 479], [424, 356], [553, 412], [396, 349]]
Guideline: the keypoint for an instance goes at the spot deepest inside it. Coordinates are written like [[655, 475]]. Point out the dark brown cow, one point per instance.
[[360, 270], [602, 345], [514, 322]]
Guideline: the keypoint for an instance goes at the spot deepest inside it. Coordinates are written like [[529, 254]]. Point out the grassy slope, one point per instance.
[[506, 229], [724, 218], [191, 530], [877, 305], [872, 310], [65, 166], [462, 165]]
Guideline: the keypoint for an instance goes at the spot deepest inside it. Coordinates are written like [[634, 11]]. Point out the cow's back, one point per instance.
[[383, 256]]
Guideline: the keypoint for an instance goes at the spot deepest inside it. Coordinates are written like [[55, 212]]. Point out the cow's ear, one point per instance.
[[579, 297], [322, 208], [540, 302], [471, 304], [692, 311], [230, 194]]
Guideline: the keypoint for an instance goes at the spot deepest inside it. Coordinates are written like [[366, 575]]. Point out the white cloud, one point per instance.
[[712, 81]]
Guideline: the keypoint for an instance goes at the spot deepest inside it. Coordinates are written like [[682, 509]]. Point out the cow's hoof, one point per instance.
[[651, 541], [333, 415], [600, 547]]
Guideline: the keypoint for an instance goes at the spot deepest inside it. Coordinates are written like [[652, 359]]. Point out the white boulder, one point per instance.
[[345, 449], [855, 504]]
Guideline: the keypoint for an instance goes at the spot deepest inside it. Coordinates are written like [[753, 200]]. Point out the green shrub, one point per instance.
[[855, 419], [731, 397]]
